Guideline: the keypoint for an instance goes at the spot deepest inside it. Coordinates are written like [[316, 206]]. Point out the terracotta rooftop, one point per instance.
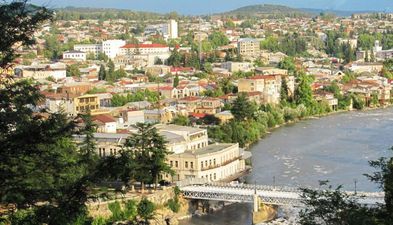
[[104, 118], [144, 46]]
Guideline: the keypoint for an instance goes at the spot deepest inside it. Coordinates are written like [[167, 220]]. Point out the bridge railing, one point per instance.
[[258, 187], [191, 182]]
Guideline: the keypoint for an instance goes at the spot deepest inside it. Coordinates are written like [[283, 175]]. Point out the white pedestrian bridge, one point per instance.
[[272, 195]]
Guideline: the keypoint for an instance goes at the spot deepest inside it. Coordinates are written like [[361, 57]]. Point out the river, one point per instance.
[[335, 148]]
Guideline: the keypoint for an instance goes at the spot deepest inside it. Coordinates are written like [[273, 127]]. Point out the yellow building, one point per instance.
[[86, 103]]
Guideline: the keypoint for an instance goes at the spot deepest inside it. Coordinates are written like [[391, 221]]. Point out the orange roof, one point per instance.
[[167, 88], [104, 118], [198, 115], [189, 98], [144, 46]]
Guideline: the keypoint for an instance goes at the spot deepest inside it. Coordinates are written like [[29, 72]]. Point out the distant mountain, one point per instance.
[[75, 13], [266, 10], [340, 13]]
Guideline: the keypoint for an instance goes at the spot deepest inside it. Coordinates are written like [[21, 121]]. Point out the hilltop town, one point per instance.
[[211, 85], [189, 71]]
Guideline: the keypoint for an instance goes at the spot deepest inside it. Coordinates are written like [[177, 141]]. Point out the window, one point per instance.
[[176, 164], [214, 161], [192, 165], [201, 164], [186, 164], [210, 162], [215, 177], [99, 152], [206, 163], [171, 162]]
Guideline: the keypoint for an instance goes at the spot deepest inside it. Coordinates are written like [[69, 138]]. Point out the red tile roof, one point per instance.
[[167, 88], [104, 118], [144, 46], [198, 115]]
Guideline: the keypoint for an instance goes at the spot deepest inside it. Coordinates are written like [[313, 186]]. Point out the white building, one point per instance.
[[111, 48], [168, 30], [42, 71], [89, 48], [172, 29], [75, 55], [144, 49], [237, 66]]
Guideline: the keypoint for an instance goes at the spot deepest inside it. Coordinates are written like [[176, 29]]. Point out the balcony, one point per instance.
[[220, 165]]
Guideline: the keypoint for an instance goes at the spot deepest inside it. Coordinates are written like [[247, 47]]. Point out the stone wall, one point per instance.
[[159, 198]]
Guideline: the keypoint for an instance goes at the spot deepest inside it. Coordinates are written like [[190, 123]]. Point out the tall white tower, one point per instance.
[[173, 31]]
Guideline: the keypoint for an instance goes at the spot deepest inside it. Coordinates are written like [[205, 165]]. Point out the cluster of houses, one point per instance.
[[193, 156]]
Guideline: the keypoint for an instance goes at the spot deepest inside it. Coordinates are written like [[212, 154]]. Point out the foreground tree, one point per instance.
[[334, 207], [45, 177], [142, 158], [19, 21]]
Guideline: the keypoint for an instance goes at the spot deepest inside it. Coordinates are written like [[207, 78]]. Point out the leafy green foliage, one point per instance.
[[242, 109], [73, 70], [291, 45], [142, 158], [102, 73], [96, 90], [387, 70], [140, 95], [181, 120], [358, 102], [218, 39], [288, 63], [146, 209], [174, 204], [53, 169], [175, 59], [19, 21], [303, 92], [333, 207]]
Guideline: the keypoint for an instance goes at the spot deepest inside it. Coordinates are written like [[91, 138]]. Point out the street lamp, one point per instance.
[[355, 182]]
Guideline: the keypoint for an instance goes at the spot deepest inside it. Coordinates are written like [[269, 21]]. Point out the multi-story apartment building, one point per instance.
[[89, 48], [237, 66], [168, 30], [75, 55], [248, 47], [214, 162], [192, 156], [144, 49], [71, 104], [268, 85], [56, 71], [75, 88], [111, 48]]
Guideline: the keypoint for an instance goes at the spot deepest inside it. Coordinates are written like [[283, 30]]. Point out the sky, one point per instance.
[[195, 7]]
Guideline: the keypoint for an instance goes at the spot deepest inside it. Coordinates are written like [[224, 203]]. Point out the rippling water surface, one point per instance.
[[335, 148]]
